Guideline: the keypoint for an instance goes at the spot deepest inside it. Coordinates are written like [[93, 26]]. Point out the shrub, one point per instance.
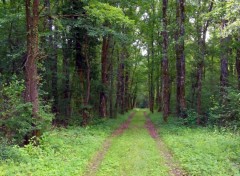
[[227, 114], [16, 116], [15, 121]]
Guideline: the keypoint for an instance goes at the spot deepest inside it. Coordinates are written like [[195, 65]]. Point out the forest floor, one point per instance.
[[136, 144]]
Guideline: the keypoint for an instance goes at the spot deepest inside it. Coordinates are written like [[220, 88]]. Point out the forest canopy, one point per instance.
[[71, 62]]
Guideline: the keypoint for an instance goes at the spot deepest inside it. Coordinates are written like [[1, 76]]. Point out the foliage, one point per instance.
[[107, 14], [201, 151], [62, 151], [8, 151], [227, 114], [16, 116]]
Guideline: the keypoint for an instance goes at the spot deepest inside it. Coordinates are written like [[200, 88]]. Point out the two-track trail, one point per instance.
[[133, 149]]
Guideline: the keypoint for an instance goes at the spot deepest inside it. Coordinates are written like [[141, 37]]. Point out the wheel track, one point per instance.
[[175, 170], [98, 158]]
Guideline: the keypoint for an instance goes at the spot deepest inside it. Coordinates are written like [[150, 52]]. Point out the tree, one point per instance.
[[202, 32], [165, 68], [238, 62], [31, 75], [180, 57], [104, 75]]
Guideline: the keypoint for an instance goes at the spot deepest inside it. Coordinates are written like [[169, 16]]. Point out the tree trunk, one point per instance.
[[200, 66], [118, 86], [165, 69], [52, 58], [111, 79], [151, 77], [104, 62], [66, 93], [127, 94], [85, 111], [111, 110], [160, 97], [238, 62], [224, 64], [122, 81], [54, 69], [151, 95], [180, 64], [178, 60], [150, 82], [31, 75]]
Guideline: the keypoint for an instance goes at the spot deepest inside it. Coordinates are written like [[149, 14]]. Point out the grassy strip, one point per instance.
[[133, 153], [61, 151], [201, 151]]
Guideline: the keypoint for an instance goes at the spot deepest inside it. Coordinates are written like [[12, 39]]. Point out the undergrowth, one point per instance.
[[61, 151], [201, 151]]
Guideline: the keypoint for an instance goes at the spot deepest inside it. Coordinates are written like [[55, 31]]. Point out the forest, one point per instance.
[[120, 87]]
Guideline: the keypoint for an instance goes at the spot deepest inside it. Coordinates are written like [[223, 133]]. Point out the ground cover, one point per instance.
[[61, 151], [201, 151], [134, 152]]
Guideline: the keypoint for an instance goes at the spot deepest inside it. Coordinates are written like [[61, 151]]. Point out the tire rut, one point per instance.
[[98, 158], [175, 170]]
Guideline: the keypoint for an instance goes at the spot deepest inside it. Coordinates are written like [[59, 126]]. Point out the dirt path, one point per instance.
[[97, 159], [130, 150], [174, 168], [134, 153]]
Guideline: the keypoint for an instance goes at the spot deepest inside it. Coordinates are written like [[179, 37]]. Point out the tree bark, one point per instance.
[[52, 58], [180, 64], [118, 86], [104, 62], [127, 94], [165, 65], [31, 75], [66, 93], [224, 64], [111, 79], [85, 111], [150, 82], [122, 81], [238, 62], [178, 60]]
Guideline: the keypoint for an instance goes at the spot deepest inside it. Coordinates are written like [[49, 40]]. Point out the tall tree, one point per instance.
[[51, 63], [165, 64], [31, 75], [202, 33], [224, 62], [238, 61], [104, 76], [152, 52], [180, 63], [122, 80]]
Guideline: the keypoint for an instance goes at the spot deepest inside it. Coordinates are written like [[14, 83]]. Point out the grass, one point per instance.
[[61, 151], [201, 151], [133, 153]]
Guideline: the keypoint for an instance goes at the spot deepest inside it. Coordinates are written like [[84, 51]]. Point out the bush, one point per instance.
[[15, 121], [9, 152], [227, 114], [16, 116]]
